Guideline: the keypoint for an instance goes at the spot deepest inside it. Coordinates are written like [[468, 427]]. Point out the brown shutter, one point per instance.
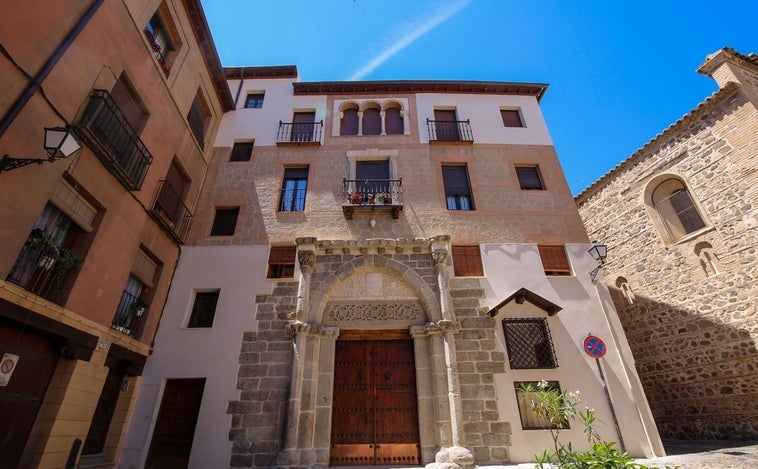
[[393, 121], [349, 123], [282, 255], [511, 118], [554, 260], [372, 122], [467, 261]]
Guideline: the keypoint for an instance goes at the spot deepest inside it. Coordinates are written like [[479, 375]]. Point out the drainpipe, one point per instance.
[[36, 82], [239, 88]]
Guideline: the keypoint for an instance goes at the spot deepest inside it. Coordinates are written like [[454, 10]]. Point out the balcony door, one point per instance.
[[302, 126], [372, 177], [375, 407], [446, 125]]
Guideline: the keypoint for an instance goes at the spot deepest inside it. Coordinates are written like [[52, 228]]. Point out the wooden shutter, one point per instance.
[[372, 122], [467, 261], [349, 123], [511, 118], [393, 121], [281, 261], [554, 260]]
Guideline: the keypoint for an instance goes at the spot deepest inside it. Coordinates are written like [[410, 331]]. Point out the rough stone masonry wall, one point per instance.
[[486, 435], [264, 381], [693, 334]]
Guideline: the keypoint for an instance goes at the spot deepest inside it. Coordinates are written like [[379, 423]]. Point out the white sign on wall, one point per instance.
[[7, 365]]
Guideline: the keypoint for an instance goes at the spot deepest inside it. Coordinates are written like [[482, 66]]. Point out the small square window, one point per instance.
[[281, 262], [529, 344], [203, 309], [554, 260], [242, 151], [254, 101], [511, 118], [526, 392], [467, 261], [225, 221], [529, 178]]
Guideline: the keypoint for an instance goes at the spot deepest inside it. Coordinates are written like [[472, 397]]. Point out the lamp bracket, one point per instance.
[[8, 162]]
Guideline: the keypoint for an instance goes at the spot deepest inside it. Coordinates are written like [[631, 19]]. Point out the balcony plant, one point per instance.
[[56, 258], [356, 198], [383, 198]]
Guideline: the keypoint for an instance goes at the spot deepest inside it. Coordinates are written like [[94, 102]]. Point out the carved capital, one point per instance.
[[307, 260], [439, 255]]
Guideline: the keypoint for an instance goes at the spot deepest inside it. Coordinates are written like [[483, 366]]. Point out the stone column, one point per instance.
[[382, 114], [360, 122], [306, 257], [456, 455], [406, 122]]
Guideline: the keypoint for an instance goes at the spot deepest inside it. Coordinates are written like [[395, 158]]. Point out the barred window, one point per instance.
[[529, 344]]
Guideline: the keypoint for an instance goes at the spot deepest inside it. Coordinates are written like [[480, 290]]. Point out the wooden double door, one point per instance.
[[375, 407]]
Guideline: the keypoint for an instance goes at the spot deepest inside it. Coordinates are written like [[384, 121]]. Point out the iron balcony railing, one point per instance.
[[373, 191], [449, 131], [169, 210], [297, 132], [44, 269], [105, 129], [129, 314]]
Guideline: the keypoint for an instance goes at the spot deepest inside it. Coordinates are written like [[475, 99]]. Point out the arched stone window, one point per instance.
[[708, 259], [372, 122], [349, 122], [623, 285], [393, 120], [675, 211]]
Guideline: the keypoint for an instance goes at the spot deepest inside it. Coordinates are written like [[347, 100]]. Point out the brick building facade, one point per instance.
[[374, 269], [680, 218]]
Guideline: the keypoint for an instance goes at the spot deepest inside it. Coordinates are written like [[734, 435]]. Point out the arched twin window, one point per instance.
[[675, 212]]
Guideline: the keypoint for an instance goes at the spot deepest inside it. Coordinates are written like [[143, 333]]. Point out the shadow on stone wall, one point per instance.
[[698, 368]]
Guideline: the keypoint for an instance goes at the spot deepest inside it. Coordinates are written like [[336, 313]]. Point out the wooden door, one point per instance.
[[21, 398], [302, 127], [446, 125], [175, 427], [375, 411]]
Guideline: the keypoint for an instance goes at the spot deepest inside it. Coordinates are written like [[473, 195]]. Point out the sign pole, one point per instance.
[[610, 404], [595, 348]]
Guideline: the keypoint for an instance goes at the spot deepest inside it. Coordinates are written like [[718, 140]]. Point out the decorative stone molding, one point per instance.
[[376, 312], [298, 327]]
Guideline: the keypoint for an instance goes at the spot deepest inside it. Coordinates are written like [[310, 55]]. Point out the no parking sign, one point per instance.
[[594, 346], [7, 365]]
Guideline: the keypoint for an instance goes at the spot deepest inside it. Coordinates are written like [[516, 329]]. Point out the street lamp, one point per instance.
[[598, 252], [60, 143]]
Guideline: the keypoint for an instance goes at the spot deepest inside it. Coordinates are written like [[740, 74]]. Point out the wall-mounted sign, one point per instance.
[[594, 346], [7, 365]]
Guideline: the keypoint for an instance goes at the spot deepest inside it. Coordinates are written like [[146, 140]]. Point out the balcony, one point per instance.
[[45, 269], [450, 131], [129, 314], [297, 133], [171, 213], [372, 195], [106, 131]]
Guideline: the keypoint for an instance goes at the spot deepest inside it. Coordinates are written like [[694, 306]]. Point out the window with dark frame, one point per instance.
[[242, 151], [281, 262], [394, 123], [162, 35], [198, 117], [349, 122], [529, 178], [294, 188], [554, 260], [526, 391], [203, 309], [254, 101], [457, 187], [372, 122], [511, 118], [225, 221], [467, 261], [529, 344]]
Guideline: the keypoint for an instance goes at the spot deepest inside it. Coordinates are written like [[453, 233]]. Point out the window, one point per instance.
[[525, 394], [676, 209], [225, 221], [131, 308], [457, 188], [198, 117], [467, 261], [161, 34], [242, 151], [623, 285], [349, 122], [254, 101], [281, 262], [303, 124], [511, 118], [294, 188], [203, 309], [708, 258], [529, 178], [372, 122], [529, 344], [372, 177], [129, 103], [393, 121], [446, 125], [554, 260]]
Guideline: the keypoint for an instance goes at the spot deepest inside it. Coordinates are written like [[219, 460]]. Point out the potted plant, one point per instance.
[[356, 198], [383, 198]]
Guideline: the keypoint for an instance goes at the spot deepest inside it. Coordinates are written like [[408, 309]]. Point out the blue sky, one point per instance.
[[619, 72]]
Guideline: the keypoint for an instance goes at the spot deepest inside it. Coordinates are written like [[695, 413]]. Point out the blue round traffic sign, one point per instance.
[[594, 346]]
